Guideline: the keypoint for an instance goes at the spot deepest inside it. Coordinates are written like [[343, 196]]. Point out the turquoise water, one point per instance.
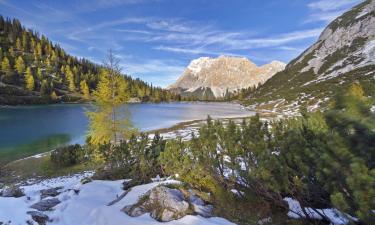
[[29, 130]]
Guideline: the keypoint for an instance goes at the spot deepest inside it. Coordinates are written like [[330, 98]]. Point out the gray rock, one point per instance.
[[134, 211], [167, 204], [52, 192], [198, 205], [193, 199], [164, 204], [203, 210], [12, 191], [39, 217], [46, 204]]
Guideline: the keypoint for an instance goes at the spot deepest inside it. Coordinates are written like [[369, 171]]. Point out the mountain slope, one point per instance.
[[343, 54], [213, 77], [33, 70]]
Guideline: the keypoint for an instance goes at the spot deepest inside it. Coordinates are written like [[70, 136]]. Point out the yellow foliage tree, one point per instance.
[[20, 65], [106, 125], [38, 51], [70, 77], [85, 89], [5, 66], [29, 79], [18, 44], [54, 95]]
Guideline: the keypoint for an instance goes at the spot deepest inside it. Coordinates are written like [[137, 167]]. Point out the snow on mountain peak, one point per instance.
[[222, 74], [196, 65]]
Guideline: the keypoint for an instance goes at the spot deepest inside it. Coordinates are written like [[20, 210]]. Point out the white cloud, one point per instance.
[[288, 48], [324, 16], [329, 5], [161, 72], [236, 41], [134, 31], [152, 66], [169, 25], [195, 51], [328, 10], [94, 5], [276, 40]]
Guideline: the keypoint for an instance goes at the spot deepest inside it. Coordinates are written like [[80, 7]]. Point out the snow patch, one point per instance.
[[90, 205], [335, 216], [197, 65]]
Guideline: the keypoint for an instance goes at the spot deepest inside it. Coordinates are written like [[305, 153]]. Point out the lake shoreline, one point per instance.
[[30, 130], [14, 169], [178, 126]]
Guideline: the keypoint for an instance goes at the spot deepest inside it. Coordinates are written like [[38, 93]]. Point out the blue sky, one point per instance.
[[156, 39]]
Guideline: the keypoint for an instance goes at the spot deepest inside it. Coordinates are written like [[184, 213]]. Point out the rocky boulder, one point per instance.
[[46, 204], [167, 204], [12, 191], [39, 217], [52, 192], [164, 204]]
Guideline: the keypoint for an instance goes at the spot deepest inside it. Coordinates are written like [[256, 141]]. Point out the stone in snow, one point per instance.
[[166, 204], [13, 191], [199, 206], [203, 210], [163, 203], [46, 204], [39, 217], [134, 211], [170, 204], [52, 192]]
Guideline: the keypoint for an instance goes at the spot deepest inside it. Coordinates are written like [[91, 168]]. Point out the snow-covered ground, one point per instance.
[[335, 216], [87, 204]]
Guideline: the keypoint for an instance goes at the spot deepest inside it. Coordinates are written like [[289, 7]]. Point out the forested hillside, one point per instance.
[[34, 70]]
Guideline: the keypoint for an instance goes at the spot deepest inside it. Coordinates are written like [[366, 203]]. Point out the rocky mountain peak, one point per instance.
[[222, 74]]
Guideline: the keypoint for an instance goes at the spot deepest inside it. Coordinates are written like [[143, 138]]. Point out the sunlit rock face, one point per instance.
[[223, 74]]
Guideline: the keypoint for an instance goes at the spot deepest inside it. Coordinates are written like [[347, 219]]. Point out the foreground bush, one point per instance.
[[323, 160], [67, 156], [136, 158]]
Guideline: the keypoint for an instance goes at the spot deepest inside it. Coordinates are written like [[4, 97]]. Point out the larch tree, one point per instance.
[[39, 73], [18, 44], [54, 95], [70, 78], [20, 65], [29, 80], [107, 125], [38, 51], [6, 68], [85, 89]]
